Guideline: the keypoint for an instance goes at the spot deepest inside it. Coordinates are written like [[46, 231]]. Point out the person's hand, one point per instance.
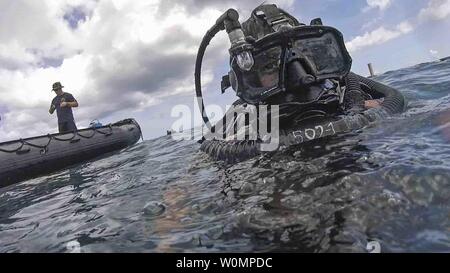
[[372, 103], [63, 104]]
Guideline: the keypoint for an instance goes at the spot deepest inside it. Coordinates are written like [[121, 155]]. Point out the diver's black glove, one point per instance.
[[354, 102]]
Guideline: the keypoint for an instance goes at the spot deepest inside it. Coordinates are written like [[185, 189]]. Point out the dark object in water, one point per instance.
[[27, 158], [316, 127], [445, 59]]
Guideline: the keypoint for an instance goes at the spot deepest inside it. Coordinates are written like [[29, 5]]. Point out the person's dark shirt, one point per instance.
[[65, 113]]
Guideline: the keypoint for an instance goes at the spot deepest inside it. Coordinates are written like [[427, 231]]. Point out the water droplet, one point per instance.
[[154, 209], [186, 220], [285, 237], [73, 247], [246, 189]]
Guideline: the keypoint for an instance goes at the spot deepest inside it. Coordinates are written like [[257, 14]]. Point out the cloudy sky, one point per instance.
[[129, 58]]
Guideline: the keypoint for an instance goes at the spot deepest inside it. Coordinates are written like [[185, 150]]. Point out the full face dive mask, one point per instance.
[[277, 55]]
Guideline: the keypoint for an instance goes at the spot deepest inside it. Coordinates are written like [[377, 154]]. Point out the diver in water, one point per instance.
[[305, 70]]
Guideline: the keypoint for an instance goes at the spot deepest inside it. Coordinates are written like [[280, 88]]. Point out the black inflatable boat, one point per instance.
[[26, 158]]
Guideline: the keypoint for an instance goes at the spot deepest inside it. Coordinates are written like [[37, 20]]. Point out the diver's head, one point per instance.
[[289, 57], [57, 88], [275, 68]]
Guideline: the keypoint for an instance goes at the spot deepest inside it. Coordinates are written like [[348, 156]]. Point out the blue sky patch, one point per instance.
[[74, 16], [51, 62]]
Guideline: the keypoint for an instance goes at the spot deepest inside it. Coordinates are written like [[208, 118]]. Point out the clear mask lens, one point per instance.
[[266, 69], [245, 60]]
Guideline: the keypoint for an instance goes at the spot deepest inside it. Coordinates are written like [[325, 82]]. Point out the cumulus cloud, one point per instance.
[[112, 55], [434, 53], [377, 4], [436, 10], [243, 7], [378, 36]]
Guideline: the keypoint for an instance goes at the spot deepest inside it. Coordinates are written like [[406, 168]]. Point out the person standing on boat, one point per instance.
[[63, 103]]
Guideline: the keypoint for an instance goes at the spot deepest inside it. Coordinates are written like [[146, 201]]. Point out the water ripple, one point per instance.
[[388, 183]]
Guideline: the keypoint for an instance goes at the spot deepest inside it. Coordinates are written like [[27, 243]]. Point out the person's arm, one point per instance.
[[71, 103], [52, 109]]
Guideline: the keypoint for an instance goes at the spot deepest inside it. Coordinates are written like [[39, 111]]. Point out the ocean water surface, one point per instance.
[[388, 183]]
